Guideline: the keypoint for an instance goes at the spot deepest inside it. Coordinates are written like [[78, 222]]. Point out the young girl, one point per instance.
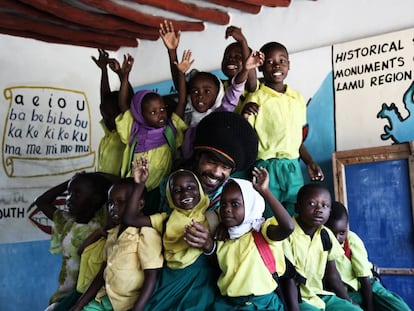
[[132, 256], [187, 281], [206, 92], [245, 282], [355, 268], [147, 130], [86, 195]]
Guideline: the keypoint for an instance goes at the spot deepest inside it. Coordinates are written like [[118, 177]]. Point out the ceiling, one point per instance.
[[111, 24]]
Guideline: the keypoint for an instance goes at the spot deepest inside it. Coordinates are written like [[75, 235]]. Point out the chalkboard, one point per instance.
[[376, 185]]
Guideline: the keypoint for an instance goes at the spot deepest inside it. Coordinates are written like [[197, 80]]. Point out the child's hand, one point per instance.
[[170, 38], [260, 179], [186, 62], [236, 33], [249, 109], [140, 170], [222, 233], [102, 60], [198, 236], [126, 65], [255, 60], [114, 65], [315, 172]]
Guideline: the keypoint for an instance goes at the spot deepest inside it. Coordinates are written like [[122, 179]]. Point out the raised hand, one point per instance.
[[170, 38], [236, 33], [140, 170], [114, 65], [260, 179], [255, 59], [186, 62], [126, 67], [102, 60]]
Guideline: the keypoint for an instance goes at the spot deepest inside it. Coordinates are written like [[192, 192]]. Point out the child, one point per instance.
[[232, 63], [131, 256], [187, 281], [278, 113], [110, 147], [91, 253], [313, 249], [355, 269], [205, 90], [245, 282], [146, 129], [86, 194]]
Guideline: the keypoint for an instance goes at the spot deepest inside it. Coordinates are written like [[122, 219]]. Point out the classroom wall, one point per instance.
[[28, 272]]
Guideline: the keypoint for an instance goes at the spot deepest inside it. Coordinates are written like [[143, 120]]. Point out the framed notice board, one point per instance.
[[377, 186]]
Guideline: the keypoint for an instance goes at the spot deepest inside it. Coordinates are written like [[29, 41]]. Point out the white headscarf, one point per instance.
[[196, 116], [254, 206]]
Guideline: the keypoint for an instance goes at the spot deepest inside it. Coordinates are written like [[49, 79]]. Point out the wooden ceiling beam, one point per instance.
[[25, 10], [138, 17], [188, 9], [269, 3], [21, 23], [43, 38], [91, 19], [238, 5]]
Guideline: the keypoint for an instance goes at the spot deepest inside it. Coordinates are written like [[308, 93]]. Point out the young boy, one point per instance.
[[278, 113], [313, 249], [355, 269], [132, 256], [111, 147]]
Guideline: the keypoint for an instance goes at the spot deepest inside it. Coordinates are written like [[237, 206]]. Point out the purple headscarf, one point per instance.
[[148, 136]]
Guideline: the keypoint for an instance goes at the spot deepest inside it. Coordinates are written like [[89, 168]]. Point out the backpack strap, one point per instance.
[[347, 249], [326, 240], [270, 262], [265, 252]]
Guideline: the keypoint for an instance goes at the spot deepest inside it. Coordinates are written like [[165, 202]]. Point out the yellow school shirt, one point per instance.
[[279, 122], [358, 266], [243, 270], [310, 260], [127, 256], [90, 264], [110, 152], [160, 159]]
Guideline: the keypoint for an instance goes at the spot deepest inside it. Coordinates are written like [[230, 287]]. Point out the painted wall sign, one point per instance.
[[47, 131], [373, 88]]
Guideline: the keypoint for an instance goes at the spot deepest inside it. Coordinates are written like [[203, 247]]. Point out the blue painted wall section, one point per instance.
[[28, 276]]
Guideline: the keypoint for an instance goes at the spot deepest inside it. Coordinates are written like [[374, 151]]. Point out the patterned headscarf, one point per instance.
[[254, 206]]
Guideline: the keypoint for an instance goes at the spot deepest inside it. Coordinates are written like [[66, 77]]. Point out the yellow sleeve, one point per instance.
[[157, 221], [181, 127], [123, 125], [150, 249]]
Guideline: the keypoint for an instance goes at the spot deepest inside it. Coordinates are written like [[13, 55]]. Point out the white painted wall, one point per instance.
[[303, 25]]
